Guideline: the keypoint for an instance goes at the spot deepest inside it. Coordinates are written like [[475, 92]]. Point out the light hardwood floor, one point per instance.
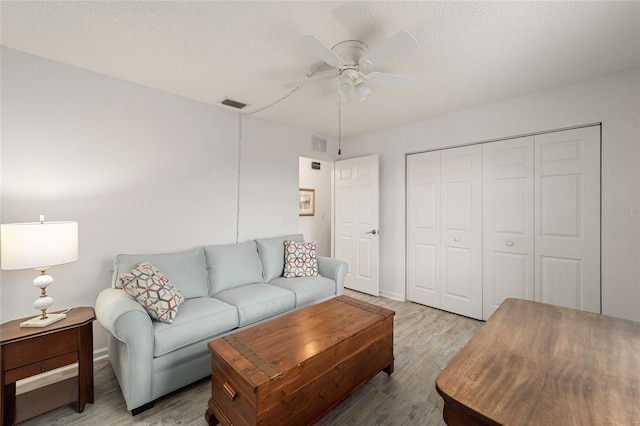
[[425, 339]]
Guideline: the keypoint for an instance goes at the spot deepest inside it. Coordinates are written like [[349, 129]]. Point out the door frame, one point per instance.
[[331, 163]]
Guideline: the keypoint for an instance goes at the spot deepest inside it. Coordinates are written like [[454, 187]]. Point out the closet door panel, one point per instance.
[[508, 218], [457, 265], [560, 280], [567, 179], [461, 230], [423, 228], [511, 276]]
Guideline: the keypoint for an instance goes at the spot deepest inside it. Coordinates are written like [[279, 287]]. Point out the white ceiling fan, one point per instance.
[[351, 58]]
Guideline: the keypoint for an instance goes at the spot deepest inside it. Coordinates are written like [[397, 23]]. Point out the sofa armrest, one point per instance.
[[334, 269], [119, 314], [124, 319]]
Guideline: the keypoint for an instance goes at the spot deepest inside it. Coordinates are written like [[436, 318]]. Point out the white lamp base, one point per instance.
[[39, 322]]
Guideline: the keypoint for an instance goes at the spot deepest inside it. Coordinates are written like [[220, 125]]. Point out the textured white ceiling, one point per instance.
[[469, 53]]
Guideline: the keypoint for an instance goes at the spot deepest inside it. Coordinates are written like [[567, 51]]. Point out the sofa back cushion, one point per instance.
[[187, 270], [271, 251], [233, 265]]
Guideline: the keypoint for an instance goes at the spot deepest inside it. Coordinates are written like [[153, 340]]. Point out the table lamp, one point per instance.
[[39, 246]]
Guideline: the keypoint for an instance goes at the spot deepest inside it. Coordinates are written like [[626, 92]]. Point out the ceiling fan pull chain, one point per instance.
[[339, 127]]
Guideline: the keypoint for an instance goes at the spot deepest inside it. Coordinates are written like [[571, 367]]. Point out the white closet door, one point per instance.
[[461, 230], [567, 220], [423, 228], [508, 240]]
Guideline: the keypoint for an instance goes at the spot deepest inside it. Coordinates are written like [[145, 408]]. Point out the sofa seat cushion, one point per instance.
[[271, 251], [199, 319], [187, 270], [308, 290], [256, 302], [233, 265]]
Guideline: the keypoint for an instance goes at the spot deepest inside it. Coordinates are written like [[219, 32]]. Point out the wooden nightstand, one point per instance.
[[26, 352]]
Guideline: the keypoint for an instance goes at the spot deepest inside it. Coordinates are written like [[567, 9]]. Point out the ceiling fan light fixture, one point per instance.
[[346, 78], [344, 99], [362, 89], [345, 88]]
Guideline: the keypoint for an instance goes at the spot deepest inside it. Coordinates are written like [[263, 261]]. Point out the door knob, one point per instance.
[[373, 231]]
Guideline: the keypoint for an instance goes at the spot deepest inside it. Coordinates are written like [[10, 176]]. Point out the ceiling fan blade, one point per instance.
[[394, 46], [316, 47], [305, 81], [389, 80]]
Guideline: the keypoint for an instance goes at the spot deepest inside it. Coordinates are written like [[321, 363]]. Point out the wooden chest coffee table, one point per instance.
[[296, 368]]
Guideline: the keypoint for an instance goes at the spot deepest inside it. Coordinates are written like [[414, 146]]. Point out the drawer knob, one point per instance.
[[43, 368], [230, 392]]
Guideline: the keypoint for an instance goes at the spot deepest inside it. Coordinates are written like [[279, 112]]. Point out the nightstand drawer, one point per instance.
[[40, 367], [39, 348]]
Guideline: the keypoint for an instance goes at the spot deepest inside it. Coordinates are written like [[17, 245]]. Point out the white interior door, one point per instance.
[[461, 230], [423, 228], [567, 219], [357, 221], [508, 236]]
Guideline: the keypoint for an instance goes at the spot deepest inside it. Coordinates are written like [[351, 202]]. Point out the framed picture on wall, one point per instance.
[[306, 202]]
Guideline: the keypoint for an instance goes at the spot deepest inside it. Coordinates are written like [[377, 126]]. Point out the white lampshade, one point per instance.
[[38, 244]]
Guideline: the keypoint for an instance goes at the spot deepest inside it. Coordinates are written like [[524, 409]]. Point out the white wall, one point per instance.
[[613, 100], [139, 169], [317, 227]]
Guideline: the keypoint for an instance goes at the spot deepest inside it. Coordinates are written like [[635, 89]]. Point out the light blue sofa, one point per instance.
[[226, 287]]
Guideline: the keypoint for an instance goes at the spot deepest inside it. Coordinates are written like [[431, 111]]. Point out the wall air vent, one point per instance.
[[233, 104], [318, 143]]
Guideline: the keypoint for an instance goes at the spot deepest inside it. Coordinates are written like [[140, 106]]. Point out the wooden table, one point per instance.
[[25, 352], [538, 364], [294, 369]]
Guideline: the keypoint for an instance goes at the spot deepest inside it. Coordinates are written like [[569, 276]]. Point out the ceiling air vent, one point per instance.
[[233, 104]]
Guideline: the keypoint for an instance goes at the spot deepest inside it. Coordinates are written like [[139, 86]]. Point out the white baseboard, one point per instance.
[[393, 296], [100, 354]]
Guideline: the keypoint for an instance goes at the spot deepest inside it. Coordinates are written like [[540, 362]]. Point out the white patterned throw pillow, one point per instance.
[[153, 290], [300, 259]]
